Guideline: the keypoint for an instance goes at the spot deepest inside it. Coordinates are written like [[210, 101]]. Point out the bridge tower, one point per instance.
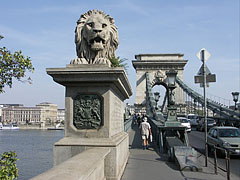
[[157, 65]]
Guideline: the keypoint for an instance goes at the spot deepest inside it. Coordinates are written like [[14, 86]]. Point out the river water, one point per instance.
[[34, 149]]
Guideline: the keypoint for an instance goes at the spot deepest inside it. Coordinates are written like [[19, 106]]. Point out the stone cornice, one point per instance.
[[163, 64], [80, 74], [166, 54]]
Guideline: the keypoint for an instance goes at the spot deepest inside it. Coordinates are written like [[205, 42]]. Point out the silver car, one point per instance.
[[193, 118], [225, 137]]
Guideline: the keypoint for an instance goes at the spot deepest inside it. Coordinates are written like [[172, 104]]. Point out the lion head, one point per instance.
[[96, 38]]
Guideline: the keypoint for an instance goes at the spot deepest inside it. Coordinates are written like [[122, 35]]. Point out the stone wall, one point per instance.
[[89, 165]]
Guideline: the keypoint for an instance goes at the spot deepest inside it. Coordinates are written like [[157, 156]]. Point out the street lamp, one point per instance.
[[235, 98], [194, 101], [1, 37], [171, 78], [180, 105], [156, 97], [172, 110]]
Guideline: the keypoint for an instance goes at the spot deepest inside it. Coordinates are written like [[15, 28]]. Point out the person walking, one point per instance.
[[145, 130], [139, 120]]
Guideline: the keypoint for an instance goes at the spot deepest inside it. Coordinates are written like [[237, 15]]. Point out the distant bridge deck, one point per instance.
[[148, 164]]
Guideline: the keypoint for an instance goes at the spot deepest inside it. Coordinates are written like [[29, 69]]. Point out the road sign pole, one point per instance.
[[205, 103]]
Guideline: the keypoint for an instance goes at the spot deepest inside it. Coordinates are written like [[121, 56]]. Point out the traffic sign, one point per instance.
[[207, 71], [209, 78], [203, 54]]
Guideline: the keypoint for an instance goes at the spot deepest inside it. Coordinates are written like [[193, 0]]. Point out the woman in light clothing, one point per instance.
[[145, 130]]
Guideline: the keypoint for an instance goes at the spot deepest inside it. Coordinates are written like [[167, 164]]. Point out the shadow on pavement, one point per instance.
[[137, 141]]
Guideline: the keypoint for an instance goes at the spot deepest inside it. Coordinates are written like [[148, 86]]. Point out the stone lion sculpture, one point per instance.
[[96, 38]]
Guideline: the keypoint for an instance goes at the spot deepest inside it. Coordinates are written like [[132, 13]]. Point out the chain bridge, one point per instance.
[[151, 71]]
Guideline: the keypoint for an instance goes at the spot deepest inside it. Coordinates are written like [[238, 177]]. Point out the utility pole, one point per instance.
[[205, 104], [203, 77]]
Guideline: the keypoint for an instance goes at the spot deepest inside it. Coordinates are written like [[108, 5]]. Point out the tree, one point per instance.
[[13, 65], [117, 62], [8, 169]]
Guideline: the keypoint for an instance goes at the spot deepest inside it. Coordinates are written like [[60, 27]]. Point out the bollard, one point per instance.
[[206, 154], [215, 160], [228, 164]]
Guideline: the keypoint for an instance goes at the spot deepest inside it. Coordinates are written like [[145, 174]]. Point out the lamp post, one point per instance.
[[171, 78], [235, 99], [194, 105], [172, 115], [180, 105], [156, 97]]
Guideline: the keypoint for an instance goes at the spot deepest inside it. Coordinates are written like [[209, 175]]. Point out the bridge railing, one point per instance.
[[227, 113], [226, 155], [92, 166], [128, 123]]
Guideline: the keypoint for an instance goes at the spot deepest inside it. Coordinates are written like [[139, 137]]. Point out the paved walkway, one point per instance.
[[149, 165]]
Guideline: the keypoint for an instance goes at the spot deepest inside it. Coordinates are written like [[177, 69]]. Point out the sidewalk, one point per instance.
[[149, 165]]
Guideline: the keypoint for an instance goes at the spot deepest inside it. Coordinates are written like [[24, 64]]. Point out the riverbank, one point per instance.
[[37, 127]]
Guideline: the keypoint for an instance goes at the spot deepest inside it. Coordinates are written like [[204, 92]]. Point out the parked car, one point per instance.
[[201, 124], [185, 122], [225, 137], [193, 118]]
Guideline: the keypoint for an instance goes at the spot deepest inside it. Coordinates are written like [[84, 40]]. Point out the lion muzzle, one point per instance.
[[97, 44]]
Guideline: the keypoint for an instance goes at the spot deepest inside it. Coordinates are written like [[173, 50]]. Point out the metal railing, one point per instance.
[[227, 113], [227, 153], [128, 123]]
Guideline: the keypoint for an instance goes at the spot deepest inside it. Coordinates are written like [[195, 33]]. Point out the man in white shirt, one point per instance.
[[145, 130]]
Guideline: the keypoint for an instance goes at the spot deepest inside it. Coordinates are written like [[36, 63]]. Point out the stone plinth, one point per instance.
[[112, 87]]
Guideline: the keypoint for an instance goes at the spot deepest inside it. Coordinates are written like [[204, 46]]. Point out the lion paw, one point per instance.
[[79, 61], [102, 61]]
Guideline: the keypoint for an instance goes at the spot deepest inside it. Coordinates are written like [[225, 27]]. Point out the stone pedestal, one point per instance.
[[110, 87], [172, 117]]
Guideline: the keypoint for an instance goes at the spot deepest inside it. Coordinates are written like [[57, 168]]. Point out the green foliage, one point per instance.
[[117, 62], [13, 66], [8, 169]]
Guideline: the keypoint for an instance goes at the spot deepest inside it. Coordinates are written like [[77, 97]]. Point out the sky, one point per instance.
[[44, 31]]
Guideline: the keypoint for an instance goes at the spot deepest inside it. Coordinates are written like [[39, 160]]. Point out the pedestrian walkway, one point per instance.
[[149, 165]]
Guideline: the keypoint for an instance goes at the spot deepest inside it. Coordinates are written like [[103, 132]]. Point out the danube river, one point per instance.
[[34, 149]]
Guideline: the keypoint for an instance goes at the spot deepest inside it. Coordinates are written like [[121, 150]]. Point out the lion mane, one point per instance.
[[96, 38]]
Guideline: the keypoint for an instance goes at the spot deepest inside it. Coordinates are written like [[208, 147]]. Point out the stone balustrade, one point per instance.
[[87, 165]]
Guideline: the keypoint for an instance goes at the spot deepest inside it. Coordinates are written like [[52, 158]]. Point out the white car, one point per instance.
[[185, 122]]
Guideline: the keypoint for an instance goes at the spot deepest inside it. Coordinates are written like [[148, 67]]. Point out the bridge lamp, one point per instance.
[[235, 98], [172, 110], [194, 101], [180, 105], [171, 78], [156, 97]]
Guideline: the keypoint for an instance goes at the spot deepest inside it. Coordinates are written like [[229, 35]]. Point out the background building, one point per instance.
[[43, 113], [49, 113], [61, 115]]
